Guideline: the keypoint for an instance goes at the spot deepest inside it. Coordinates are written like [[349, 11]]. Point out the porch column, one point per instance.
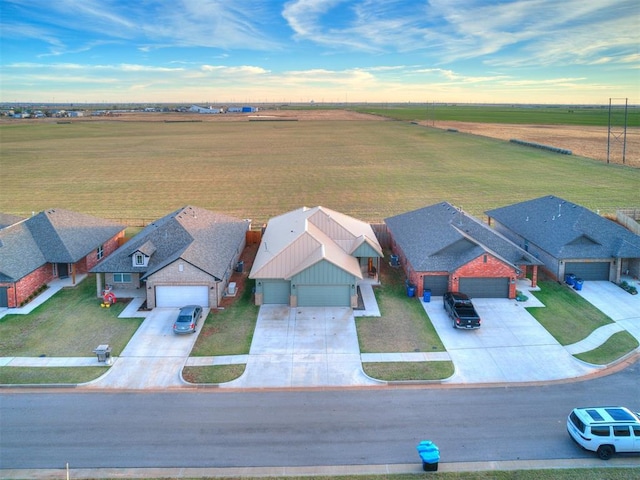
[[99, 284], [534, 276]]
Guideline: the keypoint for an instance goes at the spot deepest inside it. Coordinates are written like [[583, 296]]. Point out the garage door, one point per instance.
[[4, 298], [588, 270], [179, 296], [438, 284], [485, 287], [275, 292], [324, 296]]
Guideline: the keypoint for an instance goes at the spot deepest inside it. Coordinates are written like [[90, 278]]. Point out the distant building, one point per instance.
[[208, 110]]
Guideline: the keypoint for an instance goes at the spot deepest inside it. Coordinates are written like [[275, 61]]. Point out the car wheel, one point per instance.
[[605, 452]]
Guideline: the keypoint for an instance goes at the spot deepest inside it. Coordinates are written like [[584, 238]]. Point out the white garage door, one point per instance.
[[179, 296]]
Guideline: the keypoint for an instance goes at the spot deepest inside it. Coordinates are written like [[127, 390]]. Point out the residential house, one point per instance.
[[186, 257], [441, 249], [570, 239], [53, 244], [314, 257]]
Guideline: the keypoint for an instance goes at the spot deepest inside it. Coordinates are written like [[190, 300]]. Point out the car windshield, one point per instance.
[[184, 318]]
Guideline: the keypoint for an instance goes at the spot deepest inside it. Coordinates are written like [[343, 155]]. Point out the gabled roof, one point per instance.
[[51, 236], [566, 230], [442, 238], [301, 238], [207, 240]]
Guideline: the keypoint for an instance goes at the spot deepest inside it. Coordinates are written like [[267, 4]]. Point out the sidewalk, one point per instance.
[[381, 470]]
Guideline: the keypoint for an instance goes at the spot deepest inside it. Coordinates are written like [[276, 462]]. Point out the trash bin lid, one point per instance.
[[428, 451]]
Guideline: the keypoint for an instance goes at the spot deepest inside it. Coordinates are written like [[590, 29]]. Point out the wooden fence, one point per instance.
[[629, 217]]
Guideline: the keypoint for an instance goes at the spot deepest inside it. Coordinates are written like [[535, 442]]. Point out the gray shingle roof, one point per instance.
[[7, 219], [51, 236], [205, 239], [567, 230], [443, 238]]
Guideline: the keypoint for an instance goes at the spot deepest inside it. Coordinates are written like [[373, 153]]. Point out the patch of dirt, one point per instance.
[[590, 142], [241, 278], [173, 117]]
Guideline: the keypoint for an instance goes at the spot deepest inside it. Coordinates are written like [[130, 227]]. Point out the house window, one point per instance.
[[100, 252], [138, 259], [121, 278], [484, 259]]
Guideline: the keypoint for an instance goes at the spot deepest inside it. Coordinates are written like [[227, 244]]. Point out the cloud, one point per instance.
[[149, 25], [448, 31], [241, 70]]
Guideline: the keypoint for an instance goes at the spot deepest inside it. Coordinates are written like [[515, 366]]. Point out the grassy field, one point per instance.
[[597, 116], [136, 172]]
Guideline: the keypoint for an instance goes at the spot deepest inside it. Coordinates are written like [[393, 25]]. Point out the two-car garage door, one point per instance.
[[179, 296], [324, 296], [588, 270], [477, 287], [278, 292]]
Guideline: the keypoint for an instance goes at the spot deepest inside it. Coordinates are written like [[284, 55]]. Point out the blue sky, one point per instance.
[[243, 51]]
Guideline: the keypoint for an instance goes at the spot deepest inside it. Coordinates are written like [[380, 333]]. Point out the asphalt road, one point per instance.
[[213, 428]]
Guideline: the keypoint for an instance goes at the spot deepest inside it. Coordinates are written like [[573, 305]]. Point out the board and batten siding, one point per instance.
[[323, 273], [365, 250]]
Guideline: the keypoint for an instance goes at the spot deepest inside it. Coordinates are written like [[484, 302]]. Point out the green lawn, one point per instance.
[[402, 327], [567, 316], [618, 345], [570, 318], [603, 473], [69, 324], [514, 114]]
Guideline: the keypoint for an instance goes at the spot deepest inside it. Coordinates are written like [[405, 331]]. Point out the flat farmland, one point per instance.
[[139, 168]]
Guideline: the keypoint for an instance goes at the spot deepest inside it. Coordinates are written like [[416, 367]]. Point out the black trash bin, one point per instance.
[[240, 266]]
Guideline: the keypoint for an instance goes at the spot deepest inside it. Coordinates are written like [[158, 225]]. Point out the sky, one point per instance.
[[213, 52]]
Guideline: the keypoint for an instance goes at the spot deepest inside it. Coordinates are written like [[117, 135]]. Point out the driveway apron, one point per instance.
[[302, 347], [154, 356], [511, 346]]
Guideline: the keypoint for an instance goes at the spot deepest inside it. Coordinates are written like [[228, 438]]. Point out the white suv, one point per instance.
[[605, 430]]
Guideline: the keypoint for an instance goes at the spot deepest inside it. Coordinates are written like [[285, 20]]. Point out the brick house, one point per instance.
[[442, 249], [186, 257], [53, 244]]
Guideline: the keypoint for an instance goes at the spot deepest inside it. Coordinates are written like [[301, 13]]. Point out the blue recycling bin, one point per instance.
[[426, 295], [429, 454], [411, 291], [569, 279], [577, 284]]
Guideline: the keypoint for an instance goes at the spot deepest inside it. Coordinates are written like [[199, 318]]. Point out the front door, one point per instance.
[[4, 298], [63, 270]]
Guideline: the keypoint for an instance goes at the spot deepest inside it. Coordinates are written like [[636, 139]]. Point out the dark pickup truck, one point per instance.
[[461, 311]]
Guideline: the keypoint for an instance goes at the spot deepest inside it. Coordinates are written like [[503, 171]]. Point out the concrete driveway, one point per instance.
[[622, 307], [303, 347], [154, 356], [511, 346]]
